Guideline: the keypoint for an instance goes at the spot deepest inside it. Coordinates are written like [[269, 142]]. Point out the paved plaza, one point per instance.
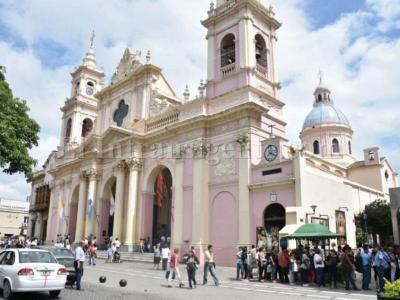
[[146, 283]]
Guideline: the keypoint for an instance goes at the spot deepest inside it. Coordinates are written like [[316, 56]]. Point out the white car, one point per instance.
[[30, 270]]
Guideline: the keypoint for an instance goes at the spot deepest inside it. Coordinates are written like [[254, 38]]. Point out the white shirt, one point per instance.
[[318, 259], [117, 244], [79, 254], [165, 253]]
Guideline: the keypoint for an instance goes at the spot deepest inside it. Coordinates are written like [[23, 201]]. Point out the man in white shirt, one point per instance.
[[78, 264], [165, 254]]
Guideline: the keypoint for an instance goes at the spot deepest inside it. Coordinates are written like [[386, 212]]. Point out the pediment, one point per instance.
[[113, 135]]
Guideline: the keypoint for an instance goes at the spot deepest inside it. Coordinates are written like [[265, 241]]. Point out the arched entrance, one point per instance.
[[162, 205], [274, 221], [107, 210]]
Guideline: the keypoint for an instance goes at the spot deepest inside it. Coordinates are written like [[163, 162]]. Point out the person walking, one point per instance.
[[262, 264], [191, 266], [347, 261], [92, 254], [174, 269], [78, 263], [165, 253], [209, 266], [157, 256], [319, 267], [366, 259]]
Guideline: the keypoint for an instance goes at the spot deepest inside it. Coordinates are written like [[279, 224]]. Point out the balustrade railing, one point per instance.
[[228, 70], [162, 121]]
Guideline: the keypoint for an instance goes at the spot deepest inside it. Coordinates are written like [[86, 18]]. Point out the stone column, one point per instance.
[[200, 196], [131, 222], [244, 195], [178, 202], [246, 49], [80, 217], [119, 201], [91, 195]]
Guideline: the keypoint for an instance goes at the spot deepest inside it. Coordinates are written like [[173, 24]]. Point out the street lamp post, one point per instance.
[[365, 228], [313, 207]]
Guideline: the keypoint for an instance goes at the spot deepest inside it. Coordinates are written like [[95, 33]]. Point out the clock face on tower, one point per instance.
[[271, 153], [89, 90]]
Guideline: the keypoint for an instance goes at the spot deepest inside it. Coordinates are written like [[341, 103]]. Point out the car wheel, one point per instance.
[[7, 292], [54, 294]]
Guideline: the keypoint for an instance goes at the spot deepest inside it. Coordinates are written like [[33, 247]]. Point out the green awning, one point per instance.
[[313, 231]]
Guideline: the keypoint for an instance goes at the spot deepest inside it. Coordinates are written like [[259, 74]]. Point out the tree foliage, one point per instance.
[[18, 133], [378, 218]]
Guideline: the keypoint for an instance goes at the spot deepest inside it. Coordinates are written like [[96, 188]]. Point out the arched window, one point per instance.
[[261, 51], [319, 98], [228, 50], [350, 150], [335, 146], [87, 127], [316, 147], [68, 130]]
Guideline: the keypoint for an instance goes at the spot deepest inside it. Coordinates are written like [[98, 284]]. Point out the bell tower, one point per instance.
[[241, 40], [80, 109]]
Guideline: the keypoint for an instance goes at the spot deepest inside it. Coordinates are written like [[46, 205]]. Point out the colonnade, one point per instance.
[[88, 222]]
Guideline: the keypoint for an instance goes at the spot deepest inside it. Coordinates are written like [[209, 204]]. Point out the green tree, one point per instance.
[[18, 133], [377, 218]]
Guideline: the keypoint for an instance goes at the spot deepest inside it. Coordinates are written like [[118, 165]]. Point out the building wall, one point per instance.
[[11, 222]]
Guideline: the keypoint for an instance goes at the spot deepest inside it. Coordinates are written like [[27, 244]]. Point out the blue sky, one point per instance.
[[355, 42]]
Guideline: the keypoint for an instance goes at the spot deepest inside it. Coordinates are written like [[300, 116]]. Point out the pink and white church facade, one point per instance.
[[136, 160]]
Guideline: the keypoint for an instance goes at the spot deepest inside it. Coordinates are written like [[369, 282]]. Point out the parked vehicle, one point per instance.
[[31, 270], [64, 257]]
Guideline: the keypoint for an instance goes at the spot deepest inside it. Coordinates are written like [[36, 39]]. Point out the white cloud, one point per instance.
[[361, 66]]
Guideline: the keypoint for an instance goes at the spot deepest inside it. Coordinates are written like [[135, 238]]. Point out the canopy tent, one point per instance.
[[312, 232]]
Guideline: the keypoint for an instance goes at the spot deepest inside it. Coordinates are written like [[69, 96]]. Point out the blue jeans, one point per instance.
[[239, 270], [381, 271], [319, 273], [366, 277], [79, 275], [92, 260], [209, 267]]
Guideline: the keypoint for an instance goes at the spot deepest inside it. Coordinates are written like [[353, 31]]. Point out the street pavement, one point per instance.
[[146, 283]]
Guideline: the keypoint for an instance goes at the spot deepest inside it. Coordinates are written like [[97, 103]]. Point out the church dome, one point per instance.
[[324, 111]]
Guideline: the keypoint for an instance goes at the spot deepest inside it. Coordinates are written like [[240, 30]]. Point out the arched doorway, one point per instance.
[[162, 205], [274, 221], [107, 210]]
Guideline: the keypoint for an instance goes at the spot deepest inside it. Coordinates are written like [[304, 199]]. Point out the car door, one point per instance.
[[7, 264], [2, 274]]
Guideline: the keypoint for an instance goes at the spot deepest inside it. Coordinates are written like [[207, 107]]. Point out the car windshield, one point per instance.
[[36, 257], [60, 252]]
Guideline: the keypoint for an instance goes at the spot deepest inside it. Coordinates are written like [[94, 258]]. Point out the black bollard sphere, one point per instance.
[[122, 283], [102, 279]]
